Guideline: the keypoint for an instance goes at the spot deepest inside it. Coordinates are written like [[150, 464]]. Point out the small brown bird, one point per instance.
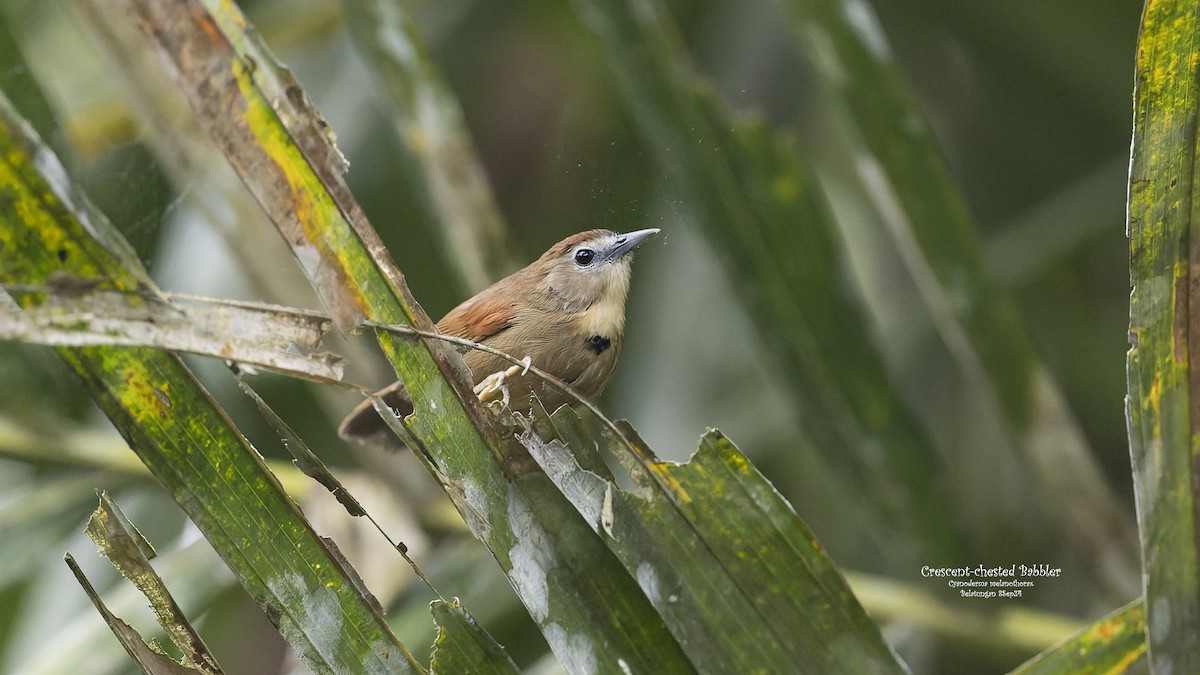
[[565, 312]]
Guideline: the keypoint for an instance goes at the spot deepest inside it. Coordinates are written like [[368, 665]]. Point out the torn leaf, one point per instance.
[[128, 551], [272, 337]]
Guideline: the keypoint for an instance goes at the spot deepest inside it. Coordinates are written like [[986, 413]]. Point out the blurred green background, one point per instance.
[[1030, 105]]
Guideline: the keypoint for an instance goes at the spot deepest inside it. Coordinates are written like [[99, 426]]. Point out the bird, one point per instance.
[[564, 314]]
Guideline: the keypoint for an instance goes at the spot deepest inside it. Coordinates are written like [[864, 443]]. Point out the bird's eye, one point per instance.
[[584, 257]]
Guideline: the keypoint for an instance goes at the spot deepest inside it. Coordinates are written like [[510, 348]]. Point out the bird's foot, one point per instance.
[[496, 385]]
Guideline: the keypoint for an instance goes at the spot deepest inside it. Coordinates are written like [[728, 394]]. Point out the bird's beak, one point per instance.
[[629, 241]]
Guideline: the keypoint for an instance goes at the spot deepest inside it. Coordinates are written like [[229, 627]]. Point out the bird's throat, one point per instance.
[[605, 317]]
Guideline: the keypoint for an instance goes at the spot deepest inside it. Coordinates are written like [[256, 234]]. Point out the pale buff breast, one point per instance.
[[585, 359]]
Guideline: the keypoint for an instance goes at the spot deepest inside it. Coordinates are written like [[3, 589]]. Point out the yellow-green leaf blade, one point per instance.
[[1164, 361], [1113, 645]]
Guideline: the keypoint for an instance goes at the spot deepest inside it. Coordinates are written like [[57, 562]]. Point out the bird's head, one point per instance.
[[591, 267]]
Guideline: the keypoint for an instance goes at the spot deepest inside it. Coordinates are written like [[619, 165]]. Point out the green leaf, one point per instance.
[[1164, 383], [739, 578], [1113, 645], [462, 646], [47, 232]]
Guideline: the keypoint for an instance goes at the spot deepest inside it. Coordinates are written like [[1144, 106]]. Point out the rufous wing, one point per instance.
[[476, 319], [479, 318]]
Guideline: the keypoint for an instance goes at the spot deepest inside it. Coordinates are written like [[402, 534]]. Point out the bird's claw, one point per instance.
[[496, 385]]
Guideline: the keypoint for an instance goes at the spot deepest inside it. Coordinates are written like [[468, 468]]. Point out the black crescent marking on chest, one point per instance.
[[598, 343]]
